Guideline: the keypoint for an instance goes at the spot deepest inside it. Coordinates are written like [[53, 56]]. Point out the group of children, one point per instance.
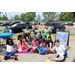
[[40, 44]]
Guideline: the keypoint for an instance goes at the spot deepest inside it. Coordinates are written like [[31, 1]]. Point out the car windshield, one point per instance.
[[14, 25], [4, 22]]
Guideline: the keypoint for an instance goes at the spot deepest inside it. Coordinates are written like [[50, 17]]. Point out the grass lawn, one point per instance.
[[32, 35]]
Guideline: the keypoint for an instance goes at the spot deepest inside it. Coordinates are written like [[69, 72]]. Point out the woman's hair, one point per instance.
[[7, 42], [57, 41], [19, 36]]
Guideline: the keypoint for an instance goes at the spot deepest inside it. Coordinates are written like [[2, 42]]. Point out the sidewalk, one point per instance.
[[34, 57]]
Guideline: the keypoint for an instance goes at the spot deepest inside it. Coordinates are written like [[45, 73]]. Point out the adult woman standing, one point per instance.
[[26, 32]]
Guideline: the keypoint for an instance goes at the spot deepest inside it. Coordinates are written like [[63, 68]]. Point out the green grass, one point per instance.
[[32, 35], [72, 34]]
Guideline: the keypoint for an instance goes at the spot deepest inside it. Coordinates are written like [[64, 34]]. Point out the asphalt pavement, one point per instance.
[[34, 57]]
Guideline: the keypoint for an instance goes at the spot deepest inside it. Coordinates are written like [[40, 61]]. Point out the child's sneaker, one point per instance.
[[5, 58], [15, 58]]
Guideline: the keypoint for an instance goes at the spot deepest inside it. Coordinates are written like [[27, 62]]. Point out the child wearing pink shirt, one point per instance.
[[34, 47]]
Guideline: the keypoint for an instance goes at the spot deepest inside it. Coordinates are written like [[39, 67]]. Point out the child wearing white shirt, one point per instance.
[[60, 51], [9, 50]]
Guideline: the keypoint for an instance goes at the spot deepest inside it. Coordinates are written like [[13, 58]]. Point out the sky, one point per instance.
[[12, 14]]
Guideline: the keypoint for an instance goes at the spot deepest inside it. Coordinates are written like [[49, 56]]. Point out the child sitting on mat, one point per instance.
[[9, 50], [34, 47], [42, 47], [24, 41], [20, 44]]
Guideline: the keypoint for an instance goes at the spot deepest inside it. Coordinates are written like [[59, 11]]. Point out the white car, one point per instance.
[[43, 23], [66, 23], [35, 22]]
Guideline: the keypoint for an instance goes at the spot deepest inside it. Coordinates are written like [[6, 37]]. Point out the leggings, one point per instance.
[[54, 57]]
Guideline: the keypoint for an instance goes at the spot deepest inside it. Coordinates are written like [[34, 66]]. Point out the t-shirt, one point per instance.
[[39, 39], [25, 30], [7, 30], [48, 43], [29, 40], [34, 44], [41, 45], [37, 31], [46, 32], [60, 50], [9, 48]]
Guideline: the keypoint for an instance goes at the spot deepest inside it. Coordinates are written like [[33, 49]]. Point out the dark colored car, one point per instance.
[[55, 26], [15, 22], [5, 23], [0, 23], [18, 27], [70, 23]]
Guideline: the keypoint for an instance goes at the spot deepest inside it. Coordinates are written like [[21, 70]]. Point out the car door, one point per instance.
[[24, 26], [19, 27]]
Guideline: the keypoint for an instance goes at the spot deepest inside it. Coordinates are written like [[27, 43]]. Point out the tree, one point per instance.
[[69, 17], [23, 17], [31, 15], [0, 18], [49, 16], [66, 16], [4, 17], [61, 16], [38, 18], [29, 18], [16, 17]]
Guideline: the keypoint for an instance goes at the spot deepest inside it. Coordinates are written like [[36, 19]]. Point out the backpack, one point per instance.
[[42, 50]]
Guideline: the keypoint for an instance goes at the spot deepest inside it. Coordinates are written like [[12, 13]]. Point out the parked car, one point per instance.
[[27, 23], [5, 23], [12, 23], [18, 27], [66, 23], [35, 23], [55, 26], [43, 23], [70, 23], [0, 23]]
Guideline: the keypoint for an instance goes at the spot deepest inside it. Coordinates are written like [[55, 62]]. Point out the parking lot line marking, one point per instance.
[[48, 60]]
